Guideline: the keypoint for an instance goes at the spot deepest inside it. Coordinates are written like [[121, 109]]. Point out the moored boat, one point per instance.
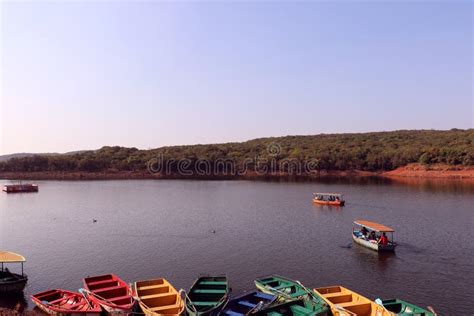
[[158, 297], [60, 303], [207, 296], [11, 282], [344, 302], [399, 307], [373, 235], [299, 307], [287, 290], [247, 304], [110, 292], [20, 188], [333, 199]]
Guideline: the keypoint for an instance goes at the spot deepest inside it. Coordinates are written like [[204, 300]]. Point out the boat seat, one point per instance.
[[335, 294], [298, 293], [207, 291], [101, 282], [116, 299], [213, 282], [232, 313], [166, 307], [108, 289], [145, 297], [204, 303], [248, 304], [264, 296], [151, 287]]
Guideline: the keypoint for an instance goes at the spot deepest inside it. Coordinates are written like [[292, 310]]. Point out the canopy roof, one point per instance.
[[374, 226], [6, 256], [335, 194]]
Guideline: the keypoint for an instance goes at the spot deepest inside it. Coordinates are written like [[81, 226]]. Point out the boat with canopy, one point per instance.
[[373, 235], [334, 199], [11, 282]]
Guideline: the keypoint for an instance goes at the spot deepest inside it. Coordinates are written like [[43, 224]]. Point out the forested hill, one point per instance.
[[380, 151]]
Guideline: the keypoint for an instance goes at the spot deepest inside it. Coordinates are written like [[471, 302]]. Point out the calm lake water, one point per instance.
[[148, 229]]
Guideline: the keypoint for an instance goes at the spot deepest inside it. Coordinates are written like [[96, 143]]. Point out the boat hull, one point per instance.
[[331, 203], [207, 296], [288, 290], [60, 302], [111, 293], [344, 302], [373, 245], [400, 307], [158, 297], [17, 285], [20, 188]]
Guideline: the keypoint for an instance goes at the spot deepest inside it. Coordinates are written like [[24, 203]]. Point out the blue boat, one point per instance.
[[247, 304]]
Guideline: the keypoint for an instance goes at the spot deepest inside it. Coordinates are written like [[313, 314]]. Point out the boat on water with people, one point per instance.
[[61, 303], [11, 282], [333, 199], [344, 302], [287, 290], [247, 304], [207, 295], [110, 292], [20, 188], [158, 297], [399, 307], [373, 235]]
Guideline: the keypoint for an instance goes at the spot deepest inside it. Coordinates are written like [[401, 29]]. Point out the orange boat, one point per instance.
[[334, 199]]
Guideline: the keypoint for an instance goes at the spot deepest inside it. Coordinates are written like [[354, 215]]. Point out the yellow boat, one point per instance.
[[158, 297], [344, 302]]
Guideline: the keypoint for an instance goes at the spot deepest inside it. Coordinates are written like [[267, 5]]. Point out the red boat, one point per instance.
[[60, 302], [20, 188], [110, 292]]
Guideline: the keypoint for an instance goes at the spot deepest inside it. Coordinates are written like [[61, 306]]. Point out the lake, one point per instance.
[[179, 229]]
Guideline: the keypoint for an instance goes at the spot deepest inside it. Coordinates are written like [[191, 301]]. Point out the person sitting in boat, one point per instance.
[[372, 236], [364, 231], [383, 240]]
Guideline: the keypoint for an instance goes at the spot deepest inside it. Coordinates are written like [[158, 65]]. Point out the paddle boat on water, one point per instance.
[[399, 307], [344, 302], [110, 292], [65, 303], [158, 297], [207, 296], [11, 282], [247, 304], [289, 290], [334, 199], [373, 235]]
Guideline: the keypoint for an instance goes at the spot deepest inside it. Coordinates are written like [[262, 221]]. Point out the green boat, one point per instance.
[[289, 290], [299, 307], [403, 308], [207, 296]]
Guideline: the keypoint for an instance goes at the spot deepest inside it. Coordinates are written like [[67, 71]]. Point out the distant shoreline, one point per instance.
[[411, 171]]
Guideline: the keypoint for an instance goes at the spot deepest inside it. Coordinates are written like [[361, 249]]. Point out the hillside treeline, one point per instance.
[[379, 151]]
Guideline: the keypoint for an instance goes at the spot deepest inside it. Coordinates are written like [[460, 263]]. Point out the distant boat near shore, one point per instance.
[[20, 188]]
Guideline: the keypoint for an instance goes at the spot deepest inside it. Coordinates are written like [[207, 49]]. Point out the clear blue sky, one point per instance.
[[81, 75]]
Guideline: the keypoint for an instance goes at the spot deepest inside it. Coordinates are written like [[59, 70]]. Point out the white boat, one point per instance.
[[368, 234]]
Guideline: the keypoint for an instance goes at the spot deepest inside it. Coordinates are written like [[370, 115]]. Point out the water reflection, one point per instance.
[[13, 301]]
